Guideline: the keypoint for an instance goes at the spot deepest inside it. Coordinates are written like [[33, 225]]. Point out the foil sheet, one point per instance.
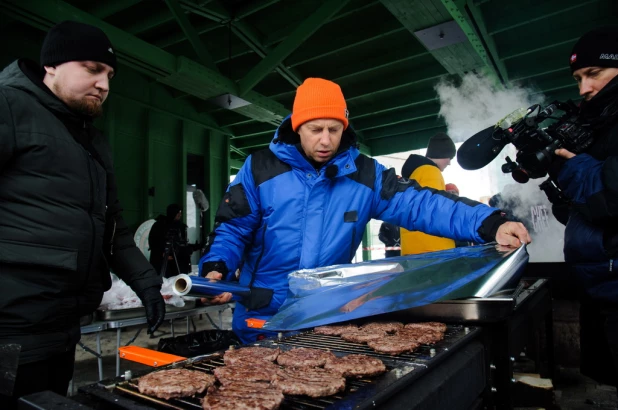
[[345, 292]]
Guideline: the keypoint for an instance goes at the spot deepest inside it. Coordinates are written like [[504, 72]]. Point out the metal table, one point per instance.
[[99, 326]]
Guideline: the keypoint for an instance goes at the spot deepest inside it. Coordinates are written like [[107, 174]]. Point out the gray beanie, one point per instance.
[[441, 146]]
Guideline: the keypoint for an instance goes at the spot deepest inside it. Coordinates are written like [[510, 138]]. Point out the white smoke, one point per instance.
[[530, 205], [477, 104]]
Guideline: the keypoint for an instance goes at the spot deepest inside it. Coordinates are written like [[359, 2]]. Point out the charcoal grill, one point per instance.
[[408, 377]]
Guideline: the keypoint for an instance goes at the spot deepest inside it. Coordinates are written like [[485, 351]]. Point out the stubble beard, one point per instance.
[[86, 106]]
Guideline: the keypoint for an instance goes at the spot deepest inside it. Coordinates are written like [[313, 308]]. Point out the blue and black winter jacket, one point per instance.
[[590, 181], [280, 214]]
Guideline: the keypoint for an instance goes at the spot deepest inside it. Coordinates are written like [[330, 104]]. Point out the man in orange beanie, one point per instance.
[[305, 202]]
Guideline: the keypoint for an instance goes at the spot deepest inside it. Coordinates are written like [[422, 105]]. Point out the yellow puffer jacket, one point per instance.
[[427, 174]]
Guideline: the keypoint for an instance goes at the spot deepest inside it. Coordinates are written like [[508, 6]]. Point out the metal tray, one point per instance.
[[123, 314]]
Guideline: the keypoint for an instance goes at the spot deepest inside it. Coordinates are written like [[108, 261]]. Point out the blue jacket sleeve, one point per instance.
[[592, 185], [237, 218], [405, 203]]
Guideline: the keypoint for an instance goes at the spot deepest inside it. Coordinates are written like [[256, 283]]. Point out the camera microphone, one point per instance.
[[200, 200], [480, 149], [331, 171]]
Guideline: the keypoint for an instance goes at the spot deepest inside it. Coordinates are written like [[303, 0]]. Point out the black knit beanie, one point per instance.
[[597, 48], [441, 146], [73, 41]]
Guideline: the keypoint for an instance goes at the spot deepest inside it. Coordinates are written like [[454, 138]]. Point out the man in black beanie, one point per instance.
[[590, 181], [427, 171], [61, 228]]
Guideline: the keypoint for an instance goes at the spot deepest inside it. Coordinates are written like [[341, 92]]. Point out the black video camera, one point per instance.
[[535, 145]]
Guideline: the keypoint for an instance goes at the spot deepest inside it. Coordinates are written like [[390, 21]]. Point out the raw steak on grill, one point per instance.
[[309, 381], [335, 330], [304, 357], [393, 345], [441, 327], [356, 365], [243, 396], [166, 384], [388, 327], [362, 336], [423, 336], [250, 355], [246, 372]]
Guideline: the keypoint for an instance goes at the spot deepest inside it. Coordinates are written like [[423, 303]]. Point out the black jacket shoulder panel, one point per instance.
[[391, 184], [265, 165], [414, 161], [365, 173]]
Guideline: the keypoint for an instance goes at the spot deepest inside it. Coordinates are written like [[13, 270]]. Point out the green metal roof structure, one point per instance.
[[238, 62]]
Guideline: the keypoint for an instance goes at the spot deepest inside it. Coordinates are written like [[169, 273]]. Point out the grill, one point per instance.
[[402, 372]]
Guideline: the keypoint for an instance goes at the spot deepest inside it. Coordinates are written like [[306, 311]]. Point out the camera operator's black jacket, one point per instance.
[[60, 219], [167, 230], [590, 181]]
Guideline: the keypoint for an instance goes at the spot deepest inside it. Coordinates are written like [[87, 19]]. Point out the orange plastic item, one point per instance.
[[255, 323], [148, 357]]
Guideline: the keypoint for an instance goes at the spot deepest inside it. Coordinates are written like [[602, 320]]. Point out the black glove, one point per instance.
[[155, 307]]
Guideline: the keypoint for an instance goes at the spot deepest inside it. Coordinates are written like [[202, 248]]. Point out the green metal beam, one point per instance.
[[244, 143], [457, 10], [253, 129], [178, 72], [519, 16], [253, 7], [236, 164], [104, 9], [149, 22], [403, 129], [191, 34], [408, 101], [398, 117], [404, 142], [302, 32], [248, 35], [202, 28], [238, 151], [489, 40]]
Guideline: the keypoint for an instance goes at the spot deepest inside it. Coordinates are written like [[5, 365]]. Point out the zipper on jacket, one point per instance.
[[352, 243], [259, 259], [611, 265], [92, 241], [111, 241]]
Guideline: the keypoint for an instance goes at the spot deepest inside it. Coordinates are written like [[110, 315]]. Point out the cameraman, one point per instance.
[[168, 242], [590, 181]]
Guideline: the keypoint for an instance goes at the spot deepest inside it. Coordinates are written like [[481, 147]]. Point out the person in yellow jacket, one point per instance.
[[427, 171]]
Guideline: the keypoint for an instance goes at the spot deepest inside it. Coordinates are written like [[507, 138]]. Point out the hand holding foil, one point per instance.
[[512, 234]]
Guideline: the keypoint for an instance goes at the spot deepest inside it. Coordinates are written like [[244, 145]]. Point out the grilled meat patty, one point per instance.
[[243, 396], [250, 355], [309, 381], [423, 336], [246, 372], [387, 327], [362, 336], [394, 345], [335, 330], [441, 327], [166, 384], [304, 357], [356, 365]]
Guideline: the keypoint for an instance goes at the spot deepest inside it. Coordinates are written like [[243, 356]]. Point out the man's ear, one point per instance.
[[50, 69]]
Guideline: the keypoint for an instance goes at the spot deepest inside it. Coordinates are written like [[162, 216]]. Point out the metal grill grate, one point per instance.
[[356, 389]]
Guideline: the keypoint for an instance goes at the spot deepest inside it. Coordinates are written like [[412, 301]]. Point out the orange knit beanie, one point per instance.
[[318, 98]]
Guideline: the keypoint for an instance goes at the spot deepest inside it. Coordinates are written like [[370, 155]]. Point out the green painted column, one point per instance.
[[183, 165], [149, 168], [366, 243], [217, 168]]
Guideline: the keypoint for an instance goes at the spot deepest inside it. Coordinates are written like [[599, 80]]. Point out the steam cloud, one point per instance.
[[475, 105]]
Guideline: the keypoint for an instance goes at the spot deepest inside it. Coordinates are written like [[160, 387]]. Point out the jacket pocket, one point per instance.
[[21, 253]]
